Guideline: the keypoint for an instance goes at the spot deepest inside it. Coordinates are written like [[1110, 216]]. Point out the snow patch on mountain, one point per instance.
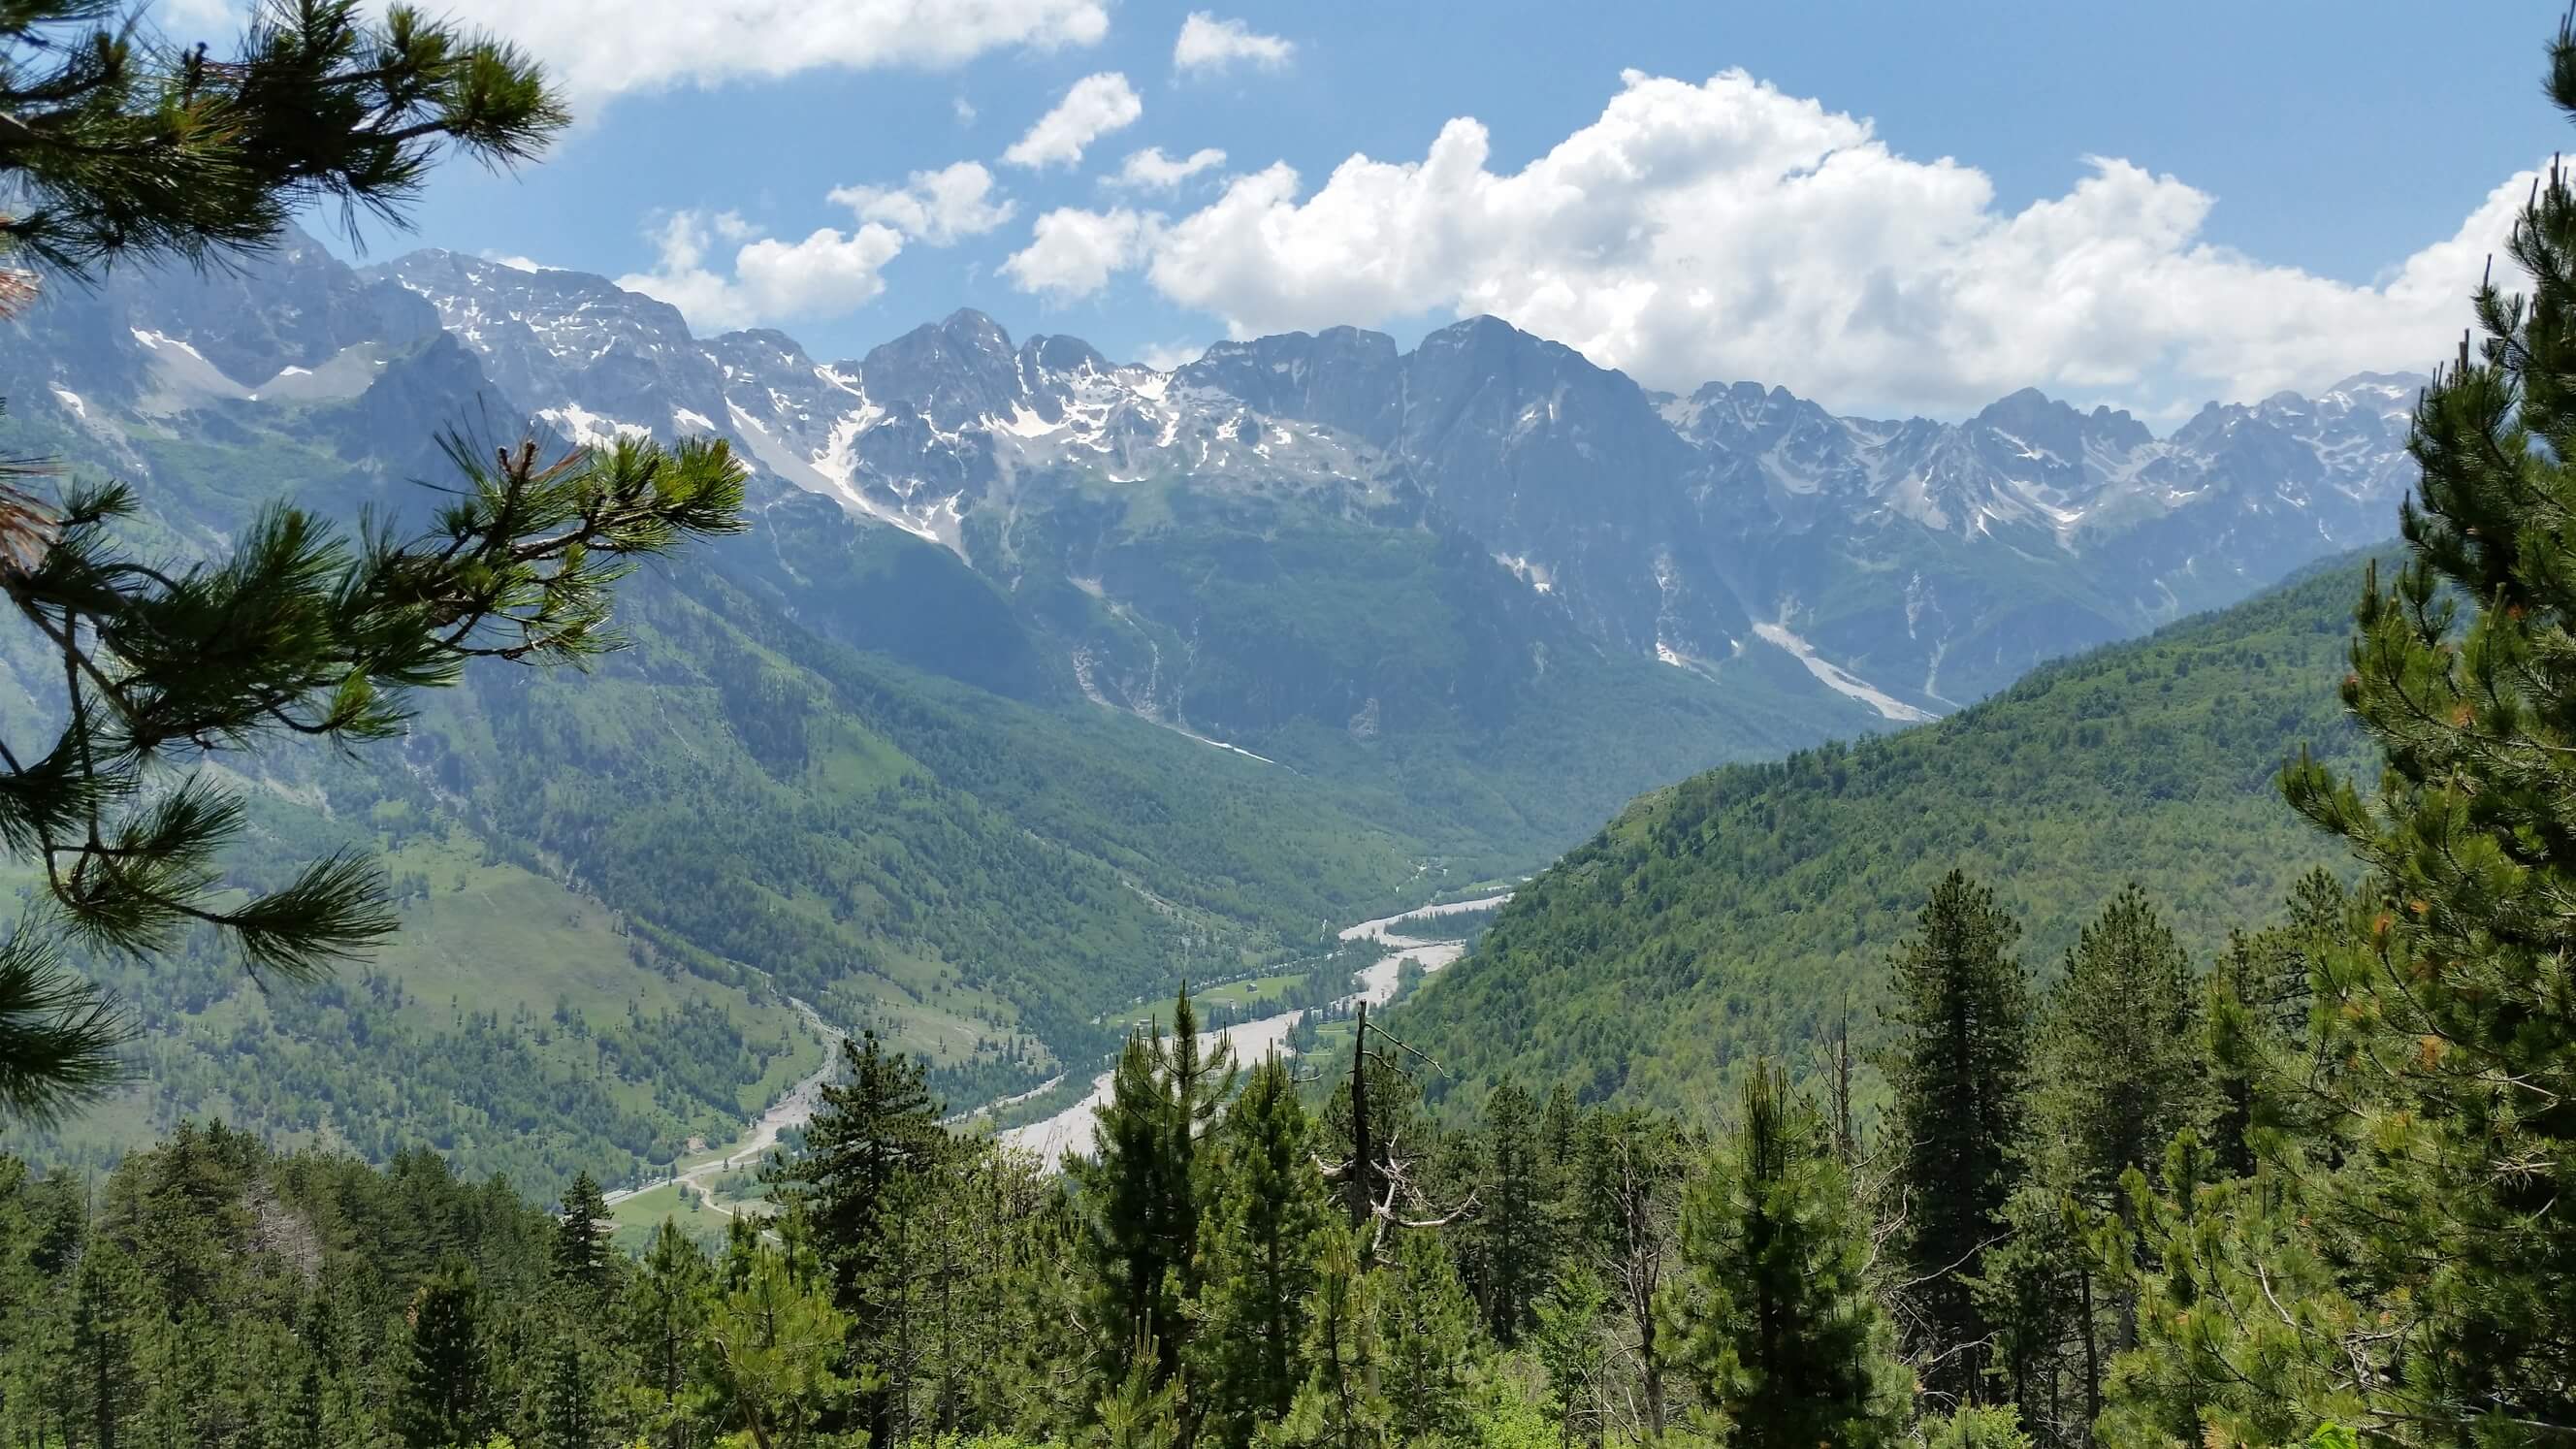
[[1840, 680], [591, 429]]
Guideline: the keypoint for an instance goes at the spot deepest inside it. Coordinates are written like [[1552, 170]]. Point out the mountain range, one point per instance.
[[1041, 679], [1913, 565]]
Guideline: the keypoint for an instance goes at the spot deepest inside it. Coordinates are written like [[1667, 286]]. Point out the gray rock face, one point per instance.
[[1910, 564]]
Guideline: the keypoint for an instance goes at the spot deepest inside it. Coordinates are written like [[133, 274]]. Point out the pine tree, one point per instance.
[[2264, 1076], [2035, 1296], [1566, 1336], [876, 1123], [1779, 1327], [987, 1211], [102, 1368], [2413, 1275], [440, 1400], [1959, 1071], [570, 1407], [1139, 1413], [876, 1129], [1257, 1247], [2119, 1052], [2121, 1048], [2121, 1070], [1513, 1234], [581, 1248], [1343, 1405], [1560, 1128], [1141, 1193], [119, 148], [773, 1349], [663, 1309], [1429, 1341]]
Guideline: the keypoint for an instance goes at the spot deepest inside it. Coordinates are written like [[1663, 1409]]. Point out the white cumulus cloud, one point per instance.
[[601, 48], [1207, 43], [1093, 107], [769, 280], [1074, 252], [1165, 356], [937, 207], [1725, 230], [1151, 170]]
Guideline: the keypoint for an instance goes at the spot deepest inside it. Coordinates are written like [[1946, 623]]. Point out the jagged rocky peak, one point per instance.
[[1750, 417], [2400, 388], [591, 358], [1485, 373], [471, 292], [2047, 430], [1053, 354], [952, 371], [758, 350], [291, 306], [1342, 377], [1053, 369]]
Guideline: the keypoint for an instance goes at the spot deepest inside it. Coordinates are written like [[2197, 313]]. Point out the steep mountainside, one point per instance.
[[1742, 912]]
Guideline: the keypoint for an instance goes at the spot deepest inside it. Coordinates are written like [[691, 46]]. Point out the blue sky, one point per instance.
[[1891, 207]]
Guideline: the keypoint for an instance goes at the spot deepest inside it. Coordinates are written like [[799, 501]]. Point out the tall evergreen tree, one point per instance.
[[1560, 1129], [877, 1122], [2121, 1048], [1779, 1326], [441, 1399], [1343, 1405], [1429, 1345], [1567, 1338], [569, 1409], [1141, 1191], [1959, 1071], [1257, 1257], [101, 1368], [2120, 1071], [581, 1247], [661, 1317], [1514, 1242], [876, 1129], [774, 1349], [2036, 1297]]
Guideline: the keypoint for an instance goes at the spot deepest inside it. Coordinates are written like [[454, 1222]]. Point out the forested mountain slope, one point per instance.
[[1743, 911]]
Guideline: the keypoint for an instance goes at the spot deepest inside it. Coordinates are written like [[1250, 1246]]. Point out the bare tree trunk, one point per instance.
[[1361, 1198], [1844, 1147], [1651, 1372], [2092, 1358]]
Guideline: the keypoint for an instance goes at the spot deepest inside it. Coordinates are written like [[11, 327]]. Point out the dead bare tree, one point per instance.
[[1377, 1181], [1639, 1167]]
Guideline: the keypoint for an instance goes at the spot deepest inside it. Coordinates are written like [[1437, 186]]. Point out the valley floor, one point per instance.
[[1070, 1131]]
